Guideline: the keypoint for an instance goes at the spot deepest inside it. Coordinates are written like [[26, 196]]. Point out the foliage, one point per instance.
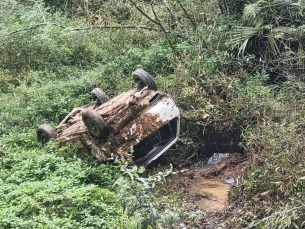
[[53, 187], [233, 7], [274, 143], [53, 53], [273, 31], [48, 68]]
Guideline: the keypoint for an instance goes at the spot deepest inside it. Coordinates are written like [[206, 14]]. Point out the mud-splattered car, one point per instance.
[[139, 125]]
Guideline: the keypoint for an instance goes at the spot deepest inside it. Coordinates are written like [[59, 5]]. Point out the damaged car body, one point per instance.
[[139, 125]]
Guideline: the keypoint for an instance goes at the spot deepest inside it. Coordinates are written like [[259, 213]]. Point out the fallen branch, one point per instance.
[[275, 214], [187, 160], [31, 28], [85, 28], [120, 27]]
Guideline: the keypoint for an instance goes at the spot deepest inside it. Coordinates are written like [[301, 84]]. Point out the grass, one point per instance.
[[47, 71]]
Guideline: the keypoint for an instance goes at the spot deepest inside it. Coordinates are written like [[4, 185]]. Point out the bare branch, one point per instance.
[[143, 13], [31, 28], [155, 21], [187, 14], [162, 28], [174, 17], [121, 27], [85, 28]]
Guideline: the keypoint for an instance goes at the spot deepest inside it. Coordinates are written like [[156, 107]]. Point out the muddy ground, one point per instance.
[[207, 192]]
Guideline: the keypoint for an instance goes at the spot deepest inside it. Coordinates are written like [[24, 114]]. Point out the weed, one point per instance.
[[53, 53]]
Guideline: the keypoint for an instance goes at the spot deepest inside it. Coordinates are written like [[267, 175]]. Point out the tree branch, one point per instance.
[[85, 28], [143, 13], [156, 21], [163, 29], [121, 27], [187, 14]]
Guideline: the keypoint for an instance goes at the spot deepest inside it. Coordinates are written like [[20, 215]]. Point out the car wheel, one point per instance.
[[94, 123], [99, 95], [45, 133], [142, 78]]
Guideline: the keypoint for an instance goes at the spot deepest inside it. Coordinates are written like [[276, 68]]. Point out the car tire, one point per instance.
[[99, 95], [142, 79], [94, 123], [45, 133]]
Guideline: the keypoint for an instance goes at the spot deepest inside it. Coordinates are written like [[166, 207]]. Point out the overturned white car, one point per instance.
[[140, 124]]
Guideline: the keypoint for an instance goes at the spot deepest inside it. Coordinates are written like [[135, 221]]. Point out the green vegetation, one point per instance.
[[235, 68]]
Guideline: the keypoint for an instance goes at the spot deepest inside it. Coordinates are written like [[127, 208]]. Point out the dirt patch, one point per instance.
[[207, 193], [226, 168]]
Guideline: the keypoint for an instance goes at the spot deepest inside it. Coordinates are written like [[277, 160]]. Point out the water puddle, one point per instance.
[[208, 185], [213, 193]]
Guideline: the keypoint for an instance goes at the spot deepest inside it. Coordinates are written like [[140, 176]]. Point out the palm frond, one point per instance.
[[242, 48], [278, 12], [242, 33], [240, 37], [273, 44], [289, 33]]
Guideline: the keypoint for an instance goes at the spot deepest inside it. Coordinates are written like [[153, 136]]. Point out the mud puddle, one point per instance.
[[213, 194], [214, 191], [207, 191], [209, 185]]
